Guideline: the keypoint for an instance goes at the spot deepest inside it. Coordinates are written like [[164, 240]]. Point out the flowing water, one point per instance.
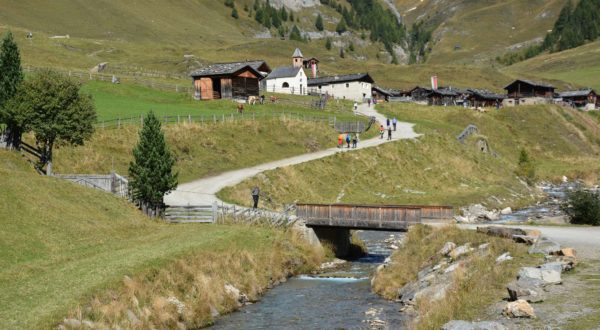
[[341, 299]]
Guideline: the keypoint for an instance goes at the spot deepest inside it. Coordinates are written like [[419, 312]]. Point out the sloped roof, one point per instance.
[[297, 53], [485, 94], [284, 72], [578, 93], [383, 91], [340, 79], [219, 69], [444, 92], [530, 82]]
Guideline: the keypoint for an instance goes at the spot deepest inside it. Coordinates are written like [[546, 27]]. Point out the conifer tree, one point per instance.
[[295, 34], [151, 172], [234, 13], [328, 43], [341, 27], [11, 76], [319, 23]]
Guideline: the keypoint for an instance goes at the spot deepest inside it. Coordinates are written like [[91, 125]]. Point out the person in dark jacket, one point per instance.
[[348, 140], [389, 132], [255, 195]]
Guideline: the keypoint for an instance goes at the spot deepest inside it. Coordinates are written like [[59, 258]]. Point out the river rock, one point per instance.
[[506, 211], [478, 212], [448, 247], [465, 325], [524, 239], [236, 294], [540, 276], [534, 233], [544, 246], [503, 257], [452, 268], [518, 309], [424, 272], [568, 252], [461, 250], [333, 264], [525, 290], [406, 294], [501, 231]]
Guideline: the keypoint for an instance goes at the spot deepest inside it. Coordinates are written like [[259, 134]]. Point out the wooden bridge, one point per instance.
[[372, 217]]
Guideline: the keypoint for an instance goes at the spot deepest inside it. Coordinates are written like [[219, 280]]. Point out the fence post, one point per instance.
[[119, 123], [189, 119], [215, 118], [215, 209], [223, 118], [177, 119]]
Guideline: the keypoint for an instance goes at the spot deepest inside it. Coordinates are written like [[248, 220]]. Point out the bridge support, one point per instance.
[[337, 238]]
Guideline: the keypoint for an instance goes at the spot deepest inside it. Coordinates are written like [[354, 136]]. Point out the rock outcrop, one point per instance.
[[518, 309]]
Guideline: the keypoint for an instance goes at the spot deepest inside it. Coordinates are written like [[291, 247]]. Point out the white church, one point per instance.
[[289, 80]]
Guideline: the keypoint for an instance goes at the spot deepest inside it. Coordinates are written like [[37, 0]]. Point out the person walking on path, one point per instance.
[[394, 122], [355, 106], [354, 140], [388, 122], [369, 102], [381, 131], [389, 133], [340, 140], [255, 195], [348, 140]]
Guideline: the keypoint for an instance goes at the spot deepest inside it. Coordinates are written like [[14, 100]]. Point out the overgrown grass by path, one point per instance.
[[201, 150], [436, 168], [481, 283], [60, 243]]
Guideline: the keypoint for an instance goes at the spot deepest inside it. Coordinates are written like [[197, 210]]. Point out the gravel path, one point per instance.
[[203, 191]]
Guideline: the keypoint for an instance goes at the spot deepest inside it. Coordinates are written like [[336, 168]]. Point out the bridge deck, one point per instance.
[[372, 217]]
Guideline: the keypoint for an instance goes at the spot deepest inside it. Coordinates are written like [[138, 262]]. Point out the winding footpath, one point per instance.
[[203, 191]]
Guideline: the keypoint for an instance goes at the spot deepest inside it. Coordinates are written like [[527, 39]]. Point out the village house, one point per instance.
[[483, 99], [417, 94], [288, 80], [526, 92], [356, 87], [442, 96], [236, 80], [380, 94], [312, 64], [586, 99]]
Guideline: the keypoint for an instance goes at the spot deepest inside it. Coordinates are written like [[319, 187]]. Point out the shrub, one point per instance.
[[526, 167], [583, 207]]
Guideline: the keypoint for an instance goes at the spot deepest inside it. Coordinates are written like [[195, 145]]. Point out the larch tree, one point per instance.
[[11, 77], [57, 112], [319, 23], [151, 173]]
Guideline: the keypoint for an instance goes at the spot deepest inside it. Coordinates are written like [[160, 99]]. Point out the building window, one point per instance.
[[347, 85], [285, 85]]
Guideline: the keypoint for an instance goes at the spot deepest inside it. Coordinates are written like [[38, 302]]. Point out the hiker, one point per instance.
[[255, 195], [348, 140], [389, 133], [369, 102], [340, 140], [381, 131], [355, 106], [262, 99], [394, 122], [388, 122], [354, 140]]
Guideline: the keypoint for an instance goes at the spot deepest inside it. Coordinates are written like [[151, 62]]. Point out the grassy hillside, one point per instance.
[[61, 243], [481, 29], [436, 169], [201, 150], [580, 67]]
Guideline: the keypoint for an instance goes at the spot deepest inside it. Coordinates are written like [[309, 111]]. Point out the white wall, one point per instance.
[[297, 84], [355, 90]]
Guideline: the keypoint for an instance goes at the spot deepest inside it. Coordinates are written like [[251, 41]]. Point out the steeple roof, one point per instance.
[[297, 53]]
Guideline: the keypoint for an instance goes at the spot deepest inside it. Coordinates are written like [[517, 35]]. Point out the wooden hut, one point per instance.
[[585, 98], [417, 93], [443, 97], [483, 99], [381, 94], [521, 88], [236, 80]]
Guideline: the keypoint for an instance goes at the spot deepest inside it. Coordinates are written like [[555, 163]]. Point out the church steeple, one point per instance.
[[297, 58]]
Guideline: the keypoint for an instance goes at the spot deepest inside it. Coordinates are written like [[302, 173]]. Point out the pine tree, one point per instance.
[[291, 16], [151, 172], [295, 34], [234, 13], [351, 46], [11, 77], [342, 54], [319, 23], [328, 43], [341, 27]]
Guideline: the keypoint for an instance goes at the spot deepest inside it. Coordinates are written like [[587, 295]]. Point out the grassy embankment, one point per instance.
[[436, 168], [475, 286], [201, 148], [63, 246]]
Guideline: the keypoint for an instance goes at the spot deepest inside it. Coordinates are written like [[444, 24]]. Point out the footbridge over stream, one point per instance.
[[332, 223]]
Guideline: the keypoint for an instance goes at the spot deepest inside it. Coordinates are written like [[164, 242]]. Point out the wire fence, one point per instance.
[[330, 120], [86, 76]]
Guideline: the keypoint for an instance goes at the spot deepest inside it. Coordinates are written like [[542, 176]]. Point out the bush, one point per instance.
[[583, 207], [526, 167]]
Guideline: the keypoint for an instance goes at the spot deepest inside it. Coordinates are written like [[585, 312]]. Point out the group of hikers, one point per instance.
[[349, 137], [390, 124]]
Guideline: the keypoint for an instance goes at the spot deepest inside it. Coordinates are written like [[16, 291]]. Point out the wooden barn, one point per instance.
[[521, 88], [585, 98], [236, 80], [483, 99], [443, 97], [381, 94]]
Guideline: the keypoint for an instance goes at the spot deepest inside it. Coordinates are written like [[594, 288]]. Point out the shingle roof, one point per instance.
[[297, 53], [485, 94], [384, 91], [579, 93], [444, 92], [340, 79], [226, 68], [530, 82], [284, 72]]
